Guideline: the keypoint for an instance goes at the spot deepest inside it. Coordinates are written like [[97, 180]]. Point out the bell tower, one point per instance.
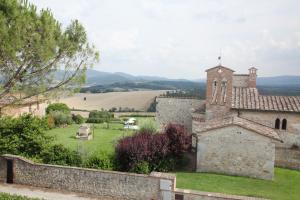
[[252, 77], [218, 91]]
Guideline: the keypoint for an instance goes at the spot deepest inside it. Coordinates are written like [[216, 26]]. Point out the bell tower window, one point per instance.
[[284, 124], [277, 123]]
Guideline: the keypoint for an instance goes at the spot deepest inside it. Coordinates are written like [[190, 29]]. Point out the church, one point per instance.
[[236, 130]]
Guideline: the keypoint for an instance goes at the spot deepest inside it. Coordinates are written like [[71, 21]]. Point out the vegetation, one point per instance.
[[100, 160], [285, 186], [34, 47], [145, 152], [100, 117], [24, 135], [61, 107], [6, 196], [148, 126], [60, 118], [60, 155], [77, 119]]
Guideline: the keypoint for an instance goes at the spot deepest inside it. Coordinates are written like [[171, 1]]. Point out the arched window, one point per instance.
[[277, 123], [284, 124]]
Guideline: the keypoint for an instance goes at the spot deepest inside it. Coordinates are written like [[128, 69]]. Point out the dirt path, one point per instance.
[[42, 193]]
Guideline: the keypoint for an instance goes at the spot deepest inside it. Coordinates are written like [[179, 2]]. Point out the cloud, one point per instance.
[[180, 39]]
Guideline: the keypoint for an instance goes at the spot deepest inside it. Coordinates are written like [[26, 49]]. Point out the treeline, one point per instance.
[[151, 85]]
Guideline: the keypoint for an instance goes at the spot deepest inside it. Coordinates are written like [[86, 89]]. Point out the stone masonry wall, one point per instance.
[[2, 170], [175, 110], [108, 184], [116, 185], [240, 80], [288, 158], [236, 151], [290, 136]]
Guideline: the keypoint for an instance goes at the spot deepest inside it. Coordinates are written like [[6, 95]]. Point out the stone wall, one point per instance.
[[99, 183], [183, 194], [115, 185], [287, 158], [176, 110], [2, 169], [236, 151], [290, 136], [240, 80]]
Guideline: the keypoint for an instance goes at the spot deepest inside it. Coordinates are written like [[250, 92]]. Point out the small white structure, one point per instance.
[[84, 132], [131, 124]]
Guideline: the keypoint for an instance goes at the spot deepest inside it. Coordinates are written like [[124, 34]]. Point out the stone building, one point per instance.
[[238, 130], [10, 106]]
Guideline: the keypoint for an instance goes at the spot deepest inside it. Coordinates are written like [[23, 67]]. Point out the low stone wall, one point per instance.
[[176, 110], [287, 158], [109, 184], [100, 183], [183, 194]]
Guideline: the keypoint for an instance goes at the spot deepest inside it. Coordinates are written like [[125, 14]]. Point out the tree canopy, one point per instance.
[[37, 54]]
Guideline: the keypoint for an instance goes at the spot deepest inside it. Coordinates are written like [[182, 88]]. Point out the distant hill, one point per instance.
[[278, 81], [102, 82]]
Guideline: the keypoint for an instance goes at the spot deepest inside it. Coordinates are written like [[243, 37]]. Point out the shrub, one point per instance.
[[101, 160], [78, 119], [59, 155], [24, 135], [148, 126], [58, 107], [141, 168], [179, 140], [95, 120], [61, 118], [153, 152], [132, 150], [100, 117], [50, 122]]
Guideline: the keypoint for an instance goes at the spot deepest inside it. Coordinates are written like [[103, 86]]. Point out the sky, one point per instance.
[[182, 38]]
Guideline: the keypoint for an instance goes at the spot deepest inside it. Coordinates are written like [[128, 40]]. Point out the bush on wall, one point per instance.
[[60, 155]]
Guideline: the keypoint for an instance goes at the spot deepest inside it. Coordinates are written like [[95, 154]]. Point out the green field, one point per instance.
[[285, 186], [104, 139]]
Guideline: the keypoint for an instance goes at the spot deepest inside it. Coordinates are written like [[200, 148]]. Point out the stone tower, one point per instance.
[[252, 77], [218, 91]]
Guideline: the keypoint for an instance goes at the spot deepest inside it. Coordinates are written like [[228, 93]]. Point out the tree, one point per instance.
[[37, 55], [58, 107]]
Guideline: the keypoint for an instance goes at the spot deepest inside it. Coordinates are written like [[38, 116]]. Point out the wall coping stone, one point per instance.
[[216, 195]]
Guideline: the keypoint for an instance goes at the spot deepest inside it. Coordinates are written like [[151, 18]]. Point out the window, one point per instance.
[[277, 123], [284, 124]]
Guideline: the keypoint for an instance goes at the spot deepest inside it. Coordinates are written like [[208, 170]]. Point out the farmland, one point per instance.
[[139, 100]]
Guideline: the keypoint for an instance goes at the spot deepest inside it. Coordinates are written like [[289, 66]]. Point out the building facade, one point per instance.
[[240, 129]]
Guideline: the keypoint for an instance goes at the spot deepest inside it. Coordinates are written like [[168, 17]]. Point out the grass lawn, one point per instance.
[[5, 196], [104, 139], [285, 186]]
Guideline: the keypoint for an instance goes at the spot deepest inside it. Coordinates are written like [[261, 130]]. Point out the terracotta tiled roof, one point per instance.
[[250, 99], [244, 123]]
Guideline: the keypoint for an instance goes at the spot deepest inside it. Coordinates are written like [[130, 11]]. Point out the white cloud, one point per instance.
[[180, 39]]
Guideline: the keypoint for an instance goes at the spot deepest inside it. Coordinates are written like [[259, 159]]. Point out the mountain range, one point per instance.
[[95, 77]]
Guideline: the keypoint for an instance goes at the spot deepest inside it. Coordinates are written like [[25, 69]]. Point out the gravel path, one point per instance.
[[42, 193]]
